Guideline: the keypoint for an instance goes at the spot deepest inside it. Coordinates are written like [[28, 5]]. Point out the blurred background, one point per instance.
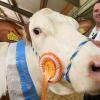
[[21, 10]]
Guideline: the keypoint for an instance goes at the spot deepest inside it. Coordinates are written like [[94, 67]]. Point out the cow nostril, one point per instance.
[[95, 67]]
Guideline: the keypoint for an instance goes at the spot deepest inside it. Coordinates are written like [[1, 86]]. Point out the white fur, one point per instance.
[[3, 68], [60, 36]]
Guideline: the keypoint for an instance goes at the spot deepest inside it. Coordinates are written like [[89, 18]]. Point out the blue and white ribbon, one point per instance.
[[66, 75], [28, 88]]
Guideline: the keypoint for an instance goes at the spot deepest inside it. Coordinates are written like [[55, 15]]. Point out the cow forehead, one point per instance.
[[47, 15]]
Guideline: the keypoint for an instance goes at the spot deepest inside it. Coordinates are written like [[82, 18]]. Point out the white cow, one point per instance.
[[57, 34]]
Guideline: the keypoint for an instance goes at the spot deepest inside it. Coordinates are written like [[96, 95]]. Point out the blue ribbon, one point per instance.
[[66, 75], [28, 88]]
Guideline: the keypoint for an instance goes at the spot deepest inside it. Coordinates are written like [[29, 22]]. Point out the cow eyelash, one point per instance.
[[37, 31]]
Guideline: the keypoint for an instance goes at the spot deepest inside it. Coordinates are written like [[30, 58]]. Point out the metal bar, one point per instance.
[[16, 14], [2, 11], [83, 8], [67, 8], [43, 3], [86, 13], [16, 5], [74, 2], [7, 18], [16, 9], [14, 2]]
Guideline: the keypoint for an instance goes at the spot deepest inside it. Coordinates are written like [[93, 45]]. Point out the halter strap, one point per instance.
[[66, 74]]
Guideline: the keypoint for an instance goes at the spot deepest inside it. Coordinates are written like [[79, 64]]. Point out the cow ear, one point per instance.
[[73, 22], [60, 89], [26, 27]]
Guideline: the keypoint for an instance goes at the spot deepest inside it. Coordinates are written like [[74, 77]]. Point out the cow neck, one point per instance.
[[66, 74]]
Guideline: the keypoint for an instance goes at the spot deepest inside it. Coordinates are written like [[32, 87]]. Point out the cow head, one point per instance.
[[57, 34]]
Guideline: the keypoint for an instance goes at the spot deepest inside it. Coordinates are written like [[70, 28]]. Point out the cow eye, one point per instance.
[[37, 31]]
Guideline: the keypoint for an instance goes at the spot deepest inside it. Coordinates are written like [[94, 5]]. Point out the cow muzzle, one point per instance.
[[94, 69]]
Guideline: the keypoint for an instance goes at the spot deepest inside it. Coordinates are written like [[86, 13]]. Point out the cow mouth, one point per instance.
[[94, 67]]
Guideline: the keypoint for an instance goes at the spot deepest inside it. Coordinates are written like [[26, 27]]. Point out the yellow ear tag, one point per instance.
[[12, 36], [82, 31], [52, 70]]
